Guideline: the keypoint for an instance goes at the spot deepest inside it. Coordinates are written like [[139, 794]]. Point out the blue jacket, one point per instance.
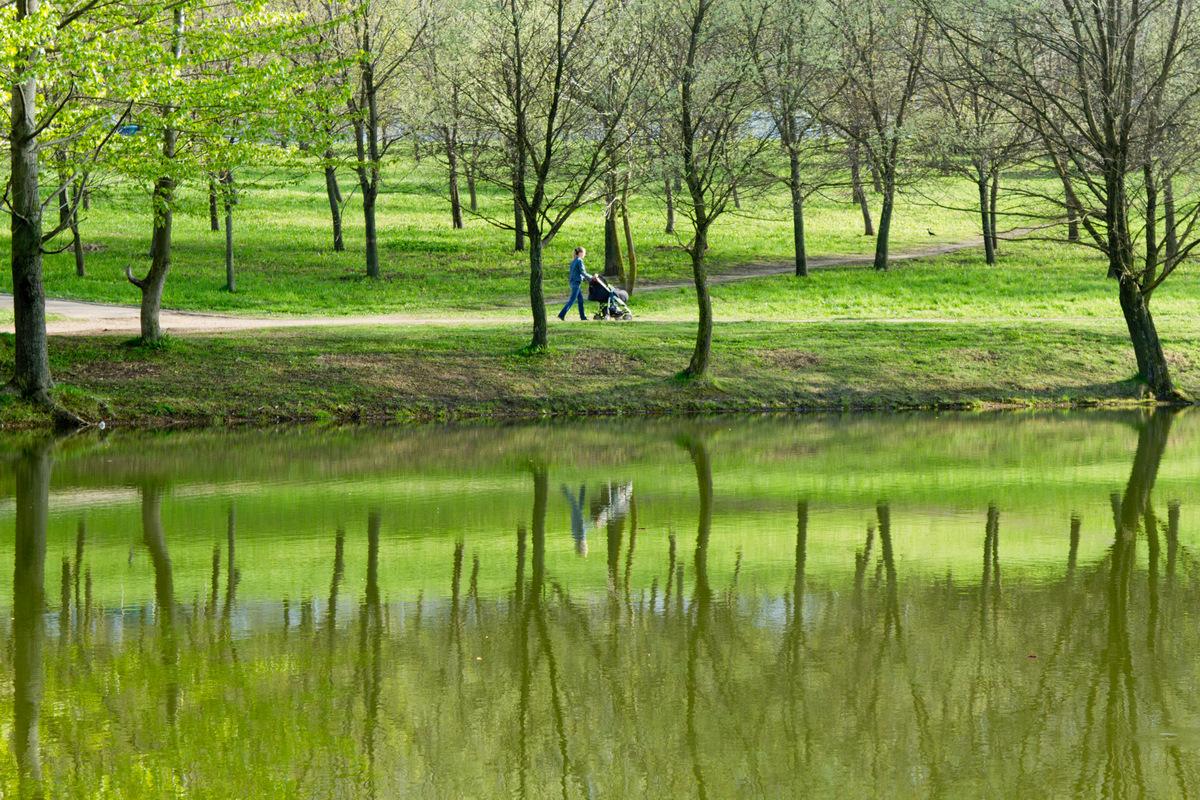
[[578, 273]]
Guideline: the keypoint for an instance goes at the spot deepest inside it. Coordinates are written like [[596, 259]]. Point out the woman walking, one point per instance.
[[578, 275]]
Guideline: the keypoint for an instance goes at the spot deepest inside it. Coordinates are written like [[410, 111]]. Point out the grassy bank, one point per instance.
[[477, 372]]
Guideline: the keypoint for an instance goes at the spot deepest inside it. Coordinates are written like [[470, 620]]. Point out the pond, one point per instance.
[[966, 605]]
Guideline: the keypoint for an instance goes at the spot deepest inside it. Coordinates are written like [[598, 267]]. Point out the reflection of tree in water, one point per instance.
[[831, 682], [155, 542], [32, 475]]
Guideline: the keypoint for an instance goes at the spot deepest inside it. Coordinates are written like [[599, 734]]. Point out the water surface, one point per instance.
[[953, 606]]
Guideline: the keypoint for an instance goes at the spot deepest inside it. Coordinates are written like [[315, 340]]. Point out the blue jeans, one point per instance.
[[576, 297]]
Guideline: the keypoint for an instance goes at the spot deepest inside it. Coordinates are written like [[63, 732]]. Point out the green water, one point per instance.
[[913, 606]]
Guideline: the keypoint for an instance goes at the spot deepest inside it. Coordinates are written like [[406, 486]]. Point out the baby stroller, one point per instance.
[[613, 302]]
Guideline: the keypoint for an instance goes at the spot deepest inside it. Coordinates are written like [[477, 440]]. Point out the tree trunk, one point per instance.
[[456, 215], [518, 214], [64, 197], [160, 250], [372, 241], [1150, 271], [797, 212], [1072, 216], [1170, 239], [1151, 362], [229, 199], [876, 180], [334, 193], [76, 241], [885, 224], [31, 368], [612, 242], [631, 272], [214, 222], [700, 353], [366, 142], [856, 189], [162, 203], [670, 192], [993, 228], [87, 199], [537, 298], [471, 193], [989, 252]]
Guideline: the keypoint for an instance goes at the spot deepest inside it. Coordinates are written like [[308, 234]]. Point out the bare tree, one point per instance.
[[880, 46], [538, 64], [970, 131], [1113, 90], [385, 36], [712, 105], [788, 40]]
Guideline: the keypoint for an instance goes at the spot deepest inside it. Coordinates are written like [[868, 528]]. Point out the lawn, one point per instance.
[[286, 262], [1040, 327]]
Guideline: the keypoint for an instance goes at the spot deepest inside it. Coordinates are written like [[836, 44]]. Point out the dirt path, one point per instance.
[[82, 317]]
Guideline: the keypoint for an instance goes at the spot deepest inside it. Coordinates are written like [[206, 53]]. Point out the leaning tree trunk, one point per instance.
[[858, 192], [989, 252], [885, 222], [1147, 349], [163, 201], [700, 353], [797, 190], [334, 193], [537, 297], [31, 368], [229, 198], [631, 272]]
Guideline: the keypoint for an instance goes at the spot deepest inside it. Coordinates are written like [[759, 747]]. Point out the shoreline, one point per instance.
[[419, 375]]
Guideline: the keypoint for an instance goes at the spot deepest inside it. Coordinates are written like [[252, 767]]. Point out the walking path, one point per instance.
[[83, 317]]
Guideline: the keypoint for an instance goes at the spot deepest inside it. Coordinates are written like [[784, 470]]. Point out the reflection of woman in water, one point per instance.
[[578, 531]]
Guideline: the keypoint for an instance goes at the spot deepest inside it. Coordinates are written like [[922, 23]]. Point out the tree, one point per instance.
[[323, 51], [712, 100], [385, 35], [880, 47], [786, 40], [443, 63], [538, 63], [214, 79], [970, 131], [54, 53], [1112, 90]]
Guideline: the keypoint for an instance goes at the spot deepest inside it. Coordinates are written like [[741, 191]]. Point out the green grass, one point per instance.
[[1040, 327], [286, 262]]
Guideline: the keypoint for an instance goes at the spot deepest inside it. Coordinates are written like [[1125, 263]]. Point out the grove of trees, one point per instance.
[[565, 104]]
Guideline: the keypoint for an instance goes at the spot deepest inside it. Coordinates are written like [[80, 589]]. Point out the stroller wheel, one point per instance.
[[627, 316], [599, 315]]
